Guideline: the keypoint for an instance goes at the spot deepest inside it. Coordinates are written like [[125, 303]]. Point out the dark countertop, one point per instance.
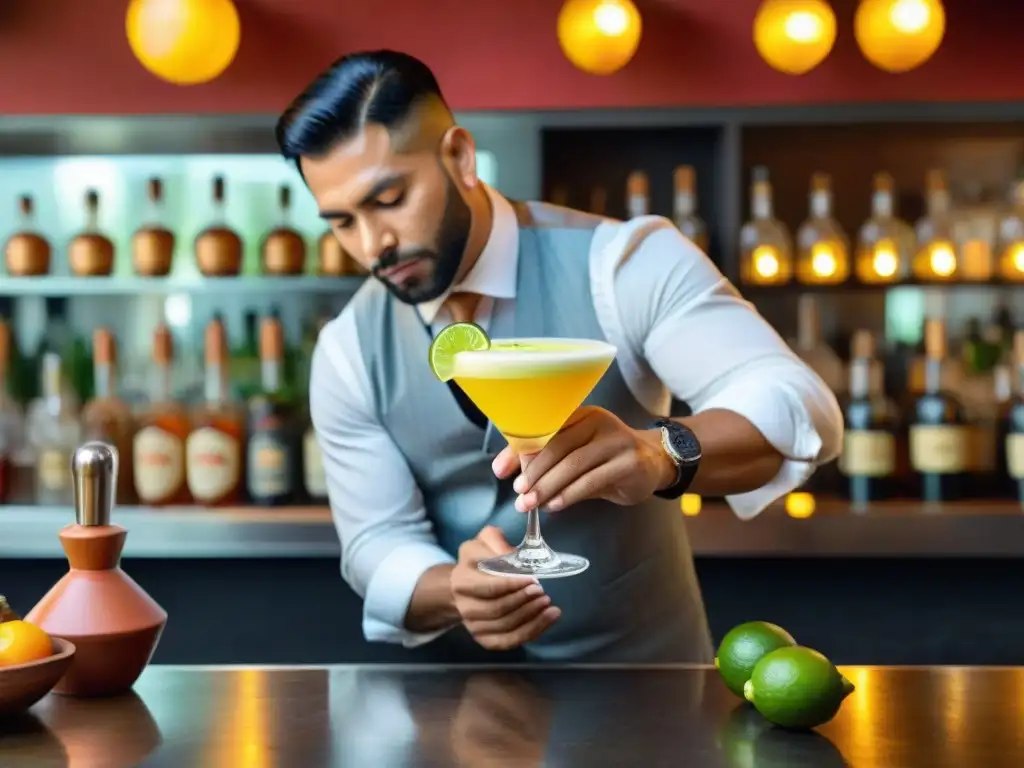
[[897, 529], [646, 717]]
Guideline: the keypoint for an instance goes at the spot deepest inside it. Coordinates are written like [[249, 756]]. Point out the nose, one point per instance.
[[375, 240]]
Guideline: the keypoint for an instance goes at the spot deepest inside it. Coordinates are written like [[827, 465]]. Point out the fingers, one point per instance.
[[473, 608], [579, 463], [564, 443], [505, 463], [591, 485], [494, 540], [526, 632]]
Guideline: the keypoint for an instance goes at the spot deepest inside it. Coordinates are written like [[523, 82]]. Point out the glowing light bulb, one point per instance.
[[800, 504], [766, 262], [899, 35], [885, 262], [599, 36], [794, 36], [943, 260], [1017, 256], [690, 503], [823, 261]]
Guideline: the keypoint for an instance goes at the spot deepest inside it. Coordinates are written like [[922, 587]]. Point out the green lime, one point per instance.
[[796, 688], [457, 337], [743, 646]]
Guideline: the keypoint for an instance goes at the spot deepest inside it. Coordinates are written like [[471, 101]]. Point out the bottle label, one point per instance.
[[1015, 456], [213, 462], [939, 449], [269, 465], [868, 453], [159, 461], [684, 204], [313, 466], [54, 469], [637, 205]]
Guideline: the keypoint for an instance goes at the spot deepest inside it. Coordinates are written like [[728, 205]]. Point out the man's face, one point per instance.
[[401, 215]]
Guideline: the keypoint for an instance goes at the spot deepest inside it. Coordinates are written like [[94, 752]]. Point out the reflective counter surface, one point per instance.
[[516, 717]]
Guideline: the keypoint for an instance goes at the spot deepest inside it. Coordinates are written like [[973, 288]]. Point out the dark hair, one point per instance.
[[358, 89]]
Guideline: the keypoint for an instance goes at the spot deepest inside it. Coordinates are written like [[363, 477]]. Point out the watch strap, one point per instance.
[[686, 468]]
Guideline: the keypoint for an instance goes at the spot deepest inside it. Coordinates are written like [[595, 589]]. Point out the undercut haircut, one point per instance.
[[371, 87]]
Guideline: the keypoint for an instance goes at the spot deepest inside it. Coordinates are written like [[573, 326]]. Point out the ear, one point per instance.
[[459, 152]]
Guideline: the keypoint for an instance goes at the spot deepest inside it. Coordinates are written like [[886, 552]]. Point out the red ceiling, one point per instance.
[[71, 56]]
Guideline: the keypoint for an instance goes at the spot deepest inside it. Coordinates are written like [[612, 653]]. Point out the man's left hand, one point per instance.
[[594, 456]]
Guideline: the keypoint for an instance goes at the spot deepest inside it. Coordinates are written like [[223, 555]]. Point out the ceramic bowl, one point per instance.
[[22, 685]]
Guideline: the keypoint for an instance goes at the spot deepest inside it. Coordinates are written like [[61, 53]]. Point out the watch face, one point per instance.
[[685, 443]]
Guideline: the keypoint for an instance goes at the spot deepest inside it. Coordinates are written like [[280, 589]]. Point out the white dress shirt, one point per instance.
[[681, 329]]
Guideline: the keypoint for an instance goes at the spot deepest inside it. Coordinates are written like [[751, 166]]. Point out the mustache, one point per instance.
[[395, 258]]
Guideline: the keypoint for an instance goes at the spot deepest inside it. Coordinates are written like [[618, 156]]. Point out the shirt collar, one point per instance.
[[495, 272]]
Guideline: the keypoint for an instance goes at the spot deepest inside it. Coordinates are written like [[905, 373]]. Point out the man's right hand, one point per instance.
[[500, 612]]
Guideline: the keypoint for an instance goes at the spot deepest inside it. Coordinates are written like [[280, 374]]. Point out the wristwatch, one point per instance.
[[683, 448]]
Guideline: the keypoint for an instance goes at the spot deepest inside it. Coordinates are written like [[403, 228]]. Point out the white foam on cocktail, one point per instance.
[[526, 358]]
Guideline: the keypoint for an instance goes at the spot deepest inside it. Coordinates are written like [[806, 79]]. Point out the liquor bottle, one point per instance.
[[1011, 444], [214, 448], [975, 229], [1010, 243], [885, 243], [27, 252], [812, 348], [272, 455], [284, 250], [90, 252], [869, 460], [153, 243], [106, 418], [55, 433], [939, 439], [638, 195], [599, 201], [766, 249], [314, 474], [685, 208], [11, 420], [559, 196], [158, 453], [936, 259], [114, 625], [218, 247], [823, 250]]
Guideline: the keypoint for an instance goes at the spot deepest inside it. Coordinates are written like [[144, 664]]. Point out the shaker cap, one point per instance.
[[94, 468]]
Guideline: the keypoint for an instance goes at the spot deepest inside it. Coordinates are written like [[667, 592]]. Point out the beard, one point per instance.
[[444, 261]]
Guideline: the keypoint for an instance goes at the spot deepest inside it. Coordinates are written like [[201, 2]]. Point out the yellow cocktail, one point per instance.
[[529, 387]]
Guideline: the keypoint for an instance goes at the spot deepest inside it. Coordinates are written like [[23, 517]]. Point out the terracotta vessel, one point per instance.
[[113, 623]]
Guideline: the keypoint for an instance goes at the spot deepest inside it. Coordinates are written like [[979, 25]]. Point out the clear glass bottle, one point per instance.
[[153, 243], [56, 432], [885, 243], [936, 259], [812, 348], [823, 250], [90, 252], [766, 248], [685, 207], [1010, 243]]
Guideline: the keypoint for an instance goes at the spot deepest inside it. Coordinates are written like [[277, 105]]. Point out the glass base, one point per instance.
[[538, 562]]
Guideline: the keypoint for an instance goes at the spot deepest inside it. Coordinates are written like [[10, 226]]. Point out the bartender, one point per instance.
[[421, 490]]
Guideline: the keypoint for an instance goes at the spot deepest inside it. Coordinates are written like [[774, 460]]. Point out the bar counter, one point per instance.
[[890, 529], [321, 717]]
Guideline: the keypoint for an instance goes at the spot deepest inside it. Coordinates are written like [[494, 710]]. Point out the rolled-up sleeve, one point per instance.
[[387, 540], [712, 349]]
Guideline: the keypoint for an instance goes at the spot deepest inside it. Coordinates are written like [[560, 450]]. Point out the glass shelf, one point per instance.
[[55, 286]]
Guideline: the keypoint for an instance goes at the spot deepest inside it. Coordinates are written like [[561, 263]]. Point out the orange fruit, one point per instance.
[[21, 642]]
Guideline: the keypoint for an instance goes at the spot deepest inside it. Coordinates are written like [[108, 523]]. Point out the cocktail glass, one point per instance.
[[528, 388]]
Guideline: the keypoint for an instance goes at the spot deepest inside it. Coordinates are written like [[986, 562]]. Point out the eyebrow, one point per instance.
[[379, 187]]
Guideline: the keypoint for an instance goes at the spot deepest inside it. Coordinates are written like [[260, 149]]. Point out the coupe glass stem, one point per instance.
[[533, 551]]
